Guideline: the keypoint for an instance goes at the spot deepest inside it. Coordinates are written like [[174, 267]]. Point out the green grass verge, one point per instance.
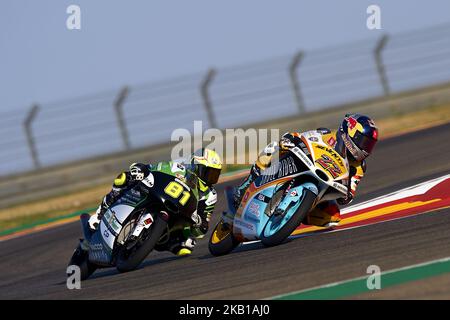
[[38, 220], [358, 286]]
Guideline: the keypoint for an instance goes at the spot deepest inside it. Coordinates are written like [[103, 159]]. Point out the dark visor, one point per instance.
[[364, 142], [208, 175]]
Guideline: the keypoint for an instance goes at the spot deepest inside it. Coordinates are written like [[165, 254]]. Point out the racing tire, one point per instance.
[[285, 231], [80, 258], [133, 260], [222, 240]]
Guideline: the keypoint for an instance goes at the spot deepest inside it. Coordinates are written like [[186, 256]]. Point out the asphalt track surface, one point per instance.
[[33, 266]]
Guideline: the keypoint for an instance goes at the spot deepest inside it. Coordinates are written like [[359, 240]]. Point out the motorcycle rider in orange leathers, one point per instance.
[[354, 140]]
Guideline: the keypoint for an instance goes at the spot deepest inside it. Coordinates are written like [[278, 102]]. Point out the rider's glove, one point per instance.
[[289, 140], [286, 144], [139, 171]]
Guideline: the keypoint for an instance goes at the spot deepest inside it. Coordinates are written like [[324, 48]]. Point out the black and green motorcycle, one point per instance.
[[142, 219]]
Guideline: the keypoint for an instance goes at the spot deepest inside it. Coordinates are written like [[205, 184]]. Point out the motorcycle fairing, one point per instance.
[[252, 219]]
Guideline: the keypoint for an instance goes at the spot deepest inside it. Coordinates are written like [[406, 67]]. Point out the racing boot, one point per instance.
[[181, 242], [187, 242], [326, 214], [184, 248]]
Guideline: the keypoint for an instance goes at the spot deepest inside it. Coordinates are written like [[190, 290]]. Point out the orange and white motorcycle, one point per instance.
[[276, 203]]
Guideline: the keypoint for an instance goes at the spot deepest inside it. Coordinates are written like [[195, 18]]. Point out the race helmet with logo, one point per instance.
[[358, 135], [207, 165]]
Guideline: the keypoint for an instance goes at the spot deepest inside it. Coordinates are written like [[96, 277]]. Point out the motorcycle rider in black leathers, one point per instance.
[[206, 165]]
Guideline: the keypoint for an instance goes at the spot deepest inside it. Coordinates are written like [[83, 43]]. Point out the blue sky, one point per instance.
[[130, 42]]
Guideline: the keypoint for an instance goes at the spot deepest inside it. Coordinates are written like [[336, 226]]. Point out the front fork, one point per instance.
[[292, 196]]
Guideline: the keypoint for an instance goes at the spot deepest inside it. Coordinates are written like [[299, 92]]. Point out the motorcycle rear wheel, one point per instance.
[[80, 258]]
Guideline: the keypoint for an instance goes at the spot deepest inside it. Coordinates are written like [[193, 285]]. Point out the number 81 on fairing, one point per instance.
[[175, 190]]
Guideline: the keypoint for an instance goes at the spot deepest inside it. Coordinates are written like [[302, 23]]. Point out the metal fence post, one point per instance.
[[294, 80], [206, 99], [380, 65], [29, 135], [118, 107]]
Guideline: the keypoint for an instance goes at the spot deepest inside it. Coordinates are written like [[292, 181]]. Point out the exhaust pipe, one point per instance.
[[87, 232]]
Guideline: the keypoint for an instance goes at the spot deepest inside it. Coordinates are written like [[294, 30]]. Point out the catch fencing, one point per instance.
[[145, 115]]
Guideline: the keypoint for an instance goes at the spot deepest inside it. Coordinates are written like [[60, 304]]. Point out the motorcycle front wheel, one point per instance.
[[279, 228], [130, 258]]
